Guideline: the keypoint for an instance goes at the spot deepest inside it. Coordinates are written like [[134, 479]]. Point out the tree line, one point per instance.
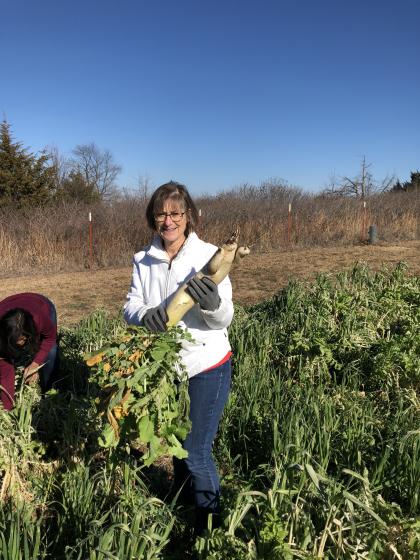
[[34, 179], [90, 176]]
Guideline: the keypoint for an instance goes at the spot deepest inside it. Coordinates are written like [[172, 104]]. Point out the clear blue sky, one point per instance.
[[216, 93]]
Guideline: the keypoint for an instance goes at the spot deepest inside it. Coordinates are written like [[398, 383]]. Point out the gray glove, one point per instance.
[[155, 319], [204, 292]]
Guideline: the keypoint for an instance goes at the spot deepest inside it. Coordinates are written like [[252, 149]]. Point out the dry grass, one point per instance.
[[56, 238], [47, 249]]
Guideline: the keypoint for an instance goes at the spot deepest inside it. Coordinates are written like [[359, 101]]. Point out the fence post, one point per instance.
[[90, 241], [364, 222], [289, 224]]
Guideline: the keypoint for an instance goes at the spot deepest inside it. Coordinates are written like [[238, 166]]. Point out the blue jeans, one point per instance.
[[209, 391], [51, 365]]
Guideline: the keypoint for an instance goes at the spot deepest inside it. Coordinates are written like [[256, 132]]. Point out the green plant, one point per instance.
[[318, 448], [143, 392], [20, 533]]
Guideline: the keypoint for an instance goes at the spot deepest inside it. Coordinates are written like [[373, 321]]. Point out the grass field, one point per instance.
[[319, 447]]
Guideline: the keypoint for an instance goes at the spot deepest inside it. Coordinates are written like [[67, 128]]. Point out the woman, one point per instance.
[[174, 257], [28, 339]]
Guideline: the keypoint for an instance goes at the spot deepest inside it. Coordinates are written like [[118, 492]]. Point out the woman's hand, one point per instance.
[[30, 373], [155, 319], [204, 292]]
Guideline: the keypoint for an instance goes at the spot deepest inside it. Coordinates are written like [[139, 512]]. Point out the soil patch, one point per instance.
[[258, 277]]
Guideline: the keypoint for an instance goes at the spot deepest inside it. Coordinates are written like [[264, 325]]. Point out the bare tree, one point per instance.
[[97, 168], [143, 187], [333, 187], [360, 186], [61, 165]]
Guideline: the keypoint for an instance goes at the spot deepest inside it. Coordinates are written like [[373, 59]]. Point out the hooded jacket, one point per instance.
[[155, 280]]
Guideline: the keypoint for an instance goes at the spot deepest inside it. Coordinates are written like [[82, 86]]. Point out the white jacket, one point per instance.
[[155, 280]]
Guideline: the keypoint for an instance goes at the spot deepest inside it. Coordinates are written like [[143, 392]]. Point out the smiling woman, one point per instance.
[[173, 215], [173, 259], [171, 226]]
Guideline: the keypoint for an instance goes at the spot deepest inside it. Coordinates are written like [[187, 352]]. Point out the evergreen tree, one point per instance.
[[74, 187], [24, 177], [415, 181], [413, 184]]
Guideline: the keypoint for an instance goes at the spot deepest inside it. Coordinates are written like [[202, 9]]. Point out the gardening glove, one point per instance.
[[204, 292], [155, 319]]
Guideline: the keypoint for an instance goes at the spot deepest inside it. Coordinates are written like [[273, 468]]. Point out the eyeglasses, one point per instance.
[[175, 216]]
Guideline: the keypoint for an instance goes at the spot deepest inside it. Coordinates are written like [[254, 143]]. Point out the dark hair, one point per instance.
[[14, 324], [178, 193]]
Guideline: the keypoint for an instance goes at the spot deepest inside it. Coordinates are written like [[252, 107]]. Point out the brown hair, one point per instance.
[[175, 192]]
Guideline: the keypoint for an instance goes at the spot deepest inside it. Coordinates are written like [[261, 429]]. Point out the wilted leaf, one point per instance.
[[93, 360]]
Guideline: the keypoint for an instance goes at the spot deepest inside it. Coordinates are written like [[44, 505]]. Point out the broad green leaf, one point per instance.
[[107, 438], [146, 429]]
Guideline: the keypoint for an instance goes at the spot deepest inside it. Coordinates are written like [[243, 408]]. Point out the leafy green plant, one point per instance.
[[318, 449], [21, 454], [143, 392]]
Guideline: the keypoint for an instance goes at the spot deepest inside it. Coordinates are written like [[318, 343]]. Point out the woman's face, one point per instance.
[[171, 223], [21, 341]]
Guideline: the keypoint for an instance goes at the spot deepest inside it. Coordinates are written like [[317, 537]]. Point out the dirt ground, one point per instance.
[[258, 277]]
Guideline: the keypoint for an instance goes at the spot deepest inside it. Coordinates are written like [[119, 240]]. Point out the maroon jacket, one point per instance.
[[40, 309]]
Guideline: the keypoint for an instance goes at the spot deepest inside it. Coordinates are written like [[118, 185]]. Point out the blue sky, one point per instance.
[[218, 93]]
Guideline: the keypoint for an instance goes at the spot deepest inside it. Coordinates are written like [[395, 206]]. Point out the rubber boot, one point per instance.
[[204, 518]]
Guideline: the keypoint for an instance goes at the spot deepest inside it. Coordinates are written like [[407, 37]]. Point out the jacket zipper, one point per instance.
[[169, 274], [168, 279]]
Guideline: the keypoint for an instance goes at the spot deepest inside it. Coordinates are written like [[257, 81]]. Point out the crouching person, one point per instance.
[[28, 339]]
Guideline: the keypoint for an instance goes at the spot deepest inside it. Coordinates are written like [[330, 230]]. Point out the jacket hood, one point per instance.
[[157, 251]]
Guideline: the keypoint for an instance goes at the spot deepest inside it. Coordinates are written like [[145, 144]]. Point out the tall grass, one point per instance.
[[325, 414], [57, 237], [319, 447]]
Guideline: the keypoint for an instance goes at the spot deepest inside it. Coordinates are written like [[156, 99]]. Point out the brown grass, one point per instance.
[[47, 249], [56, 238]]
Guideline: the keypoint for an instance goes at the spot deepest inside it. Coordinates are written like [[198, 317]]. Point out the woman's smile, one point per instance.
[[172, 228]]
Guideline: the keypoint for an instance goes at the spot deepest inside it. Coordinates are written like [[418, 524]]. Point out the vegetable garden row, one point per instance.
[[319, 446]]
